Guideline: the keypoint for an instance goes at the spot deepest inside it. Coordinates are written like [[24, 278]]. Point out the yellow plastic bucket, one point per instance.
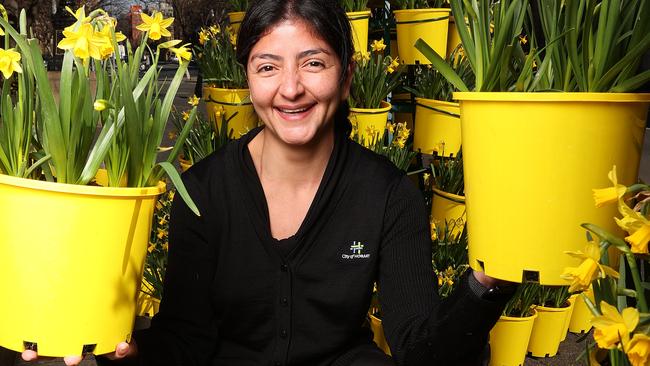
[[547, 331], [378, 334], [236, 19], [231, 101], [509, 340], [448, 209], [71, 259], [531, 161], [437, 127], [453, 38], [581, 317], [370, 120], [567, 318], [359, 23], [431, 25]]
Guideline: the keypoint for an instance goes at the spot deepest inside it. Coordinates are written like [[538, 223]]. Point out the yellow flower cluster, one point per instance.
[[89, 37], [613, 329], [401, 135], [446, 277], [634, 222], [378, 45], [361, 56], [392, 66], [209, 33], [9, 62]]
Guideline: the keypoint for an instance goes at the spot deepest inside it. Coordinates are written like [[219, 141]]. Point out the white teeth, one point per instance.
[[292, 110]]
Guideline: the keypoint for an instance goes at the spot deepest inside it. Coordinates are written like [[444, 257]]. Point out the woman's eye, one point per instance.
[[315, 64], [265, 68]]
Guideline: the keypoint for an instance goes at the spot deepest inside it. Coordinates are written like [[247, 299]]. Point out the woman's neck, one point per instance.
[[276, 161]]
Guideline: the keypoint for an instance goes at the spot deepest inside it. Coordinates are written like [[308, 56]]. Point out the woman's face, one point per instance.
[[293, 77]]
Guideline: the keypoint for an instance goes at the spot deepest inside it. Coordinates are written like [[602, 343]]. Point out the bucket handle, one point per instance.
[[210, 100], [438, 110], [423, 20], [359, 17]]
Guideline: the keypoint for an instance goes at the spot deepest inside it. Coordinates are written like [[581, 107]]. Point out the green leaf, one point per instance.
[[440, 64], [173, 175]]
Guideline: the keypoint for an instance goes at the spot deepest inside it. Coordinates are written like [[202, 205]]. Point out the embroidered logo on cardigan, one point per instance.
[[357, 251]]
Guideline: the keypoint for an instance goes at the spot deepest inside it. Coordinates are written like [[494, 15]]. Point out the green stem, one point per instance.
[[640, 291]]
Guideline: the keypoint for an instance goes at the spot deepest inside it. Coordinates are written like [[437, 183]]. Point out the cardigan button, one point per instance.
[[284, 334], [284, 301], [284, 268], [278, 364]]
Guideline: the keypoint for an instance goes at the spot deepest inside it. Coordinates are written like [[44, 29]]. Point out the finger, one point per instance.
[[29, 355], [72, 360], [122, 350]]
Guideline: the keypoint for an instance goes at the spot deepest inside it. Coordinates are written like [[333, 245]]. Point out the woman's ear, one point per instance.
[[347, 83]]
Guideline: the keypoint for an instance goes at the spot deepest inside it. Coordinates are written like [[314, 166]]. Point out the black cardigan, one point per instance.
[[231, 298]]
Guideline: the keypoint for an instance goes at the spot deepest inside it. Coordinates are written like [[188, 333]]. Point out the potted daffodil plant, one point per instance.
[[92, 224], [225, 87], [359, 17], [375, 76], [537, 108]]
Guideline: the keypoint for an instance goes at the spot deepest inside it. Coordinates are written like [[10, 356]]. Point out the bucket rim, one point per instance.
[[421, 11], [386, 107], [551, 97], [519, 318], [85, 190]]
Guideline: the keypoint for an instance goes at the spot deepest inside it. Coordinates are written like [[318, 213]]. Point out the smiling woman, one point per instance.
[[298, 223]]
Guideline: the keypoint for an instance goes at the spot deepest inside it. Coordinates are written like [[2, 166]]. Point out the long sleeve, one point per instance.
[[421, 328], [183, 333]]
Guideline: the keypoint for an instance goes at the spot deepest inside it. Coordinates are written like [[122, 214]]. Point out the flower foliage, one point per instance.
[[216, 57], [375, 76]]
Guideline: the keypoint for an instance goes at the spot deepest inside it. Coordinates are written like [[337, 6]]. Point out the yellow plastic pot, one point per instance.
[[359, 23], [581, 317], [547, 331], [437, 127], [567, 318], [509, 340], [531, 161], [378, 334], [236, 19], [230, 101], [369, 122], [71, 258], [448, 209], [431, 25], [453, 38]]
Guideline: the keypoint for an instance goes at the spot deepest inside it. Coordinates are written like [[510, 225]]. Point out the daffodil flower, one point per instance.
[[84, 42], [233, 39], [613, 327], [156, 25], [193, 101], [107, 49], [215, 29], [2, 32], [378, 45], [186, 115], [604, 196], [9, 62], [100, 105], [638, 350], [590, 268], [182, 52], [636, 225], [203, 37]]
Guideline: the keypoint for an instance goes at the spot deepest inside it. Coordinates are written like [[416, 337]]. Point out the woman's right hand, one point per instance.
[[122, 350]]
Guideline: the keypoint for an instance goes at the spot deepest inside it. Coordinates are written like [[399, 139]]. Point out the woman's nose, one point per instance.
[[291, 84]]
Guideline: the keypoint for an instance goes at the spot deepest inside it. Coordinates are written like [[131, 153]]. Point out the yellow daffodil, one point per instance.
[[203, 37], [2, 32], [394, 63], [151, 247], [613, 327], [193, 101], [378, 45], [182, 52], [156, 25], [638, 350], [172, 136], [426, 177], [233, 39], [523, 39], [390, 70], [390, 127], [165, 247], [84, 42], [106, 32], [590, 268], [9, 62], [186, 115], [214, 29], [636, 225], [604, 196]]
